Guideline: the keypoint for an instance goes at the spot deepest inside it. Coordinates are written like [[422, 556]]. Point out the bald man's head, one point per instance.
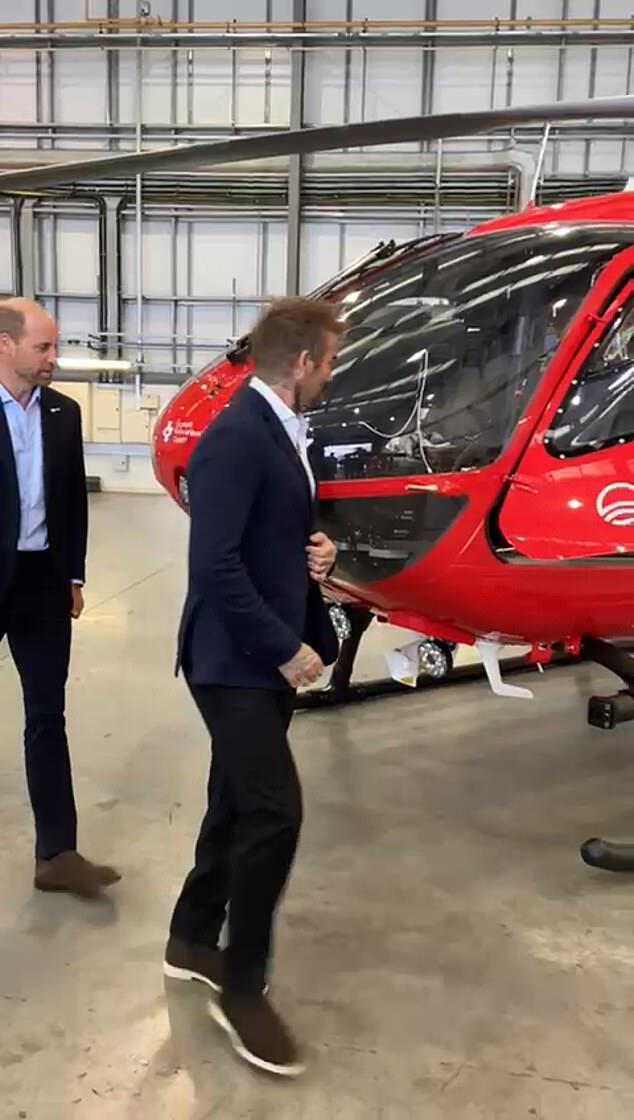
[[28, 345]]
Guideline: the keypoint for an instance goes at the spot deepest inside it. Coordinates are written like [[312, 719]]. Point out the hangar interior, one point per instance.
[[442, 948]]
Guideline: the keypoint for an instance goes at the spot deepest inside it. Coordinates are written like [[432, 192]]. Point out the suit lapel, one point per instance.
[[7, 458], [50, 435]]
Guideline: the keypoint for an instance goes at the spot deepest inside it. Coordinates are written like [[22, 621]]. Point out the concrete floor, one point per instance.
[[442, 950]]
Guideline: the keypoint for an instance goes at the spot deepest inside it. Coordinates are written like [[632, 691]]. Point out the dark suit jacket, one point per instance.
[[250, 602], [64, 488]]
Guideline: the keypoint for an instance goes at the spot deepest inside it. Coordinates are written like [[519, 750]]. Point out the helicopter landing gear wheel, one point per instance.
[[435, 657], [606, 712]]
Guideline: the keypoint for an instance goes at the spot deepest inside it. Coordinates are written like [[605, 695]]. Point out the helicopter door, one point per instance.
[[572, 495]]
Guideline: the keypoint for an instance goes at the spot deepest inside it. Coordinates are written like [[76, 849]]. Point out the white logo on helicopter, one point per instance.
[[615, 504], [168, 431]]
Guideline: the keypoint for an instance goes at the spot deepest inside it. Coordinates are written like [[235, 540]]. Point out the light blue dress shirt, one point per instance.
[[295, 426], [25, 431]]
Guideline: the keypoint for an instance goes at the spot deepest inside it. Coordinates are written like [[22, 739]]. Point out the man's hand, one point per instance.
[[322, 554], [304, 668], [77, 604]]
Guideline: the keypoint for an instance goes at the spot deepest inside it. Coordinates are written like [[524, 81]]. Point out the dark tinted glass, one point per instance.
[[442, 352], [599, 409]]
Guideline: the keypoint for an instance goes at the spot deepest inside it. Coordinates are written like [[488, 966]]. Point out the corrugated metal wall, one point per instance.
[[207, 267]]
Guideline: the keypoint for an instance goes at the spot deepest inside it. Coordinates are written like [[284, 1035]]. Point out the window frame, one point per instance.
[[620, 305]]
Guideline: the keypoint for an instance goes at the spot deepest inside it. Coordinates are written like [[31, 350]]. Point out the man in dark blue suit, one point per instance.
[[254, 629], [43, 537]]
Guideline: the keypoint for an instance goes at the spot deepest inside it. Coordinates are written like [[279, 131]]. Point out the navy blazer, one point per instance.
[[64, 488], [250, 602]]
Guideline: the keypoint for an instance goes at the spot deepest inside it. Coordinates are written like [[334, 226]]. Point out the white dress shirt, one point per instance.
[[295, 426], [25, 431]]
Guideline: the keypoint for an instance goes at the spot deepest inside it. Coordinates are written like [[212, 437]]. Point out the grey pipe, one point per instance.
[[187, 40]]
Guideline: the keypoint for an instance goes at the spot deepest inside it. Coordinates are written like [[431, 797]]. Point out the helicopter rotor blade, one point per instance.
[[308, 140]]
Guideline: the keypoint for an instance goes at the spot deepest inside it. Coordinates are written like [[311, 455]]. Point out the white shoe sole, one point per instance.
[[174, 973], [220, 1018]]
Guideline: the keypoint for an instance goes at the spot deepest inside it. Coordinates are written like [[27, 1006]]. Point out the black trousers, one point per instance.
[[249, 835], [35, 617]]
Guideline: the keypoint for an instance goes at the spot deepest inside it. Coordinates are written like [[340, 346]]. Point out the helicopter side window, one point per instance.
[[598, 410]]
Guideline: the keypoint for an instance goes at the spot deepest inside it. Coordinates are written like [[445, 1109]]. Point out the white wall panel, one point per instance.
[[17, 87], [157, 279], [160, 8], [360, 237], [156, 328], [10, 12], [70, 264], [222, 251], [211, 96], [320, 253], [76, 319], [606, 155], [76, 9], [227, 9], [80, 87], [156, 98], [274, 275], [250, 101], [212, 326], [535, 70], [77, 241], [324, 87], [324, 71], [329, 246], [463, 77], [253, 252], [393, 78]]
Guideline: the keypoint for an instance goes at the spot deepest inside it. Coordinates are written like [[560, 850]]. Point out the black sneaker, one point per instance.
[[257, 1034], [194, 962]]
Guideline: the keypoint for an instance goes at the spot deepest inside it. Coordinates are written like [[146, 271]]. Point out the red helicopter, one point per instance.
[[474, 448]]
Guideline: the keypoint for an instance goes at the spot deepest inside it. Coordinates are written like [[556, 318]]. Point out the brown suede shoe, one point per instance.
[[258, 1034], [73, 874], [193, 962]]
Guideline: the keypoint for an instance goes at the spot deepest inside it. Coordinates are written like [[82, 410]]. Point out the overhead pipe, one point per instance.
[[426, 39], [144, 23]]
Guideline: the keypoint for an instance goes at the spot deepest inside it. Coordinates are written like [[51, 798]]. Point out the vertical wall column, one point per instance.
[[113, 81], [26, 233], [112, 342], [293, 248]]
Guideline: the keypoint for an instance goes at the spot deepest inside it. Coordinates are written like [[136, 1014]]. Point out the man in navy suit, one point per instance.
[[254, 629], [43, 534]]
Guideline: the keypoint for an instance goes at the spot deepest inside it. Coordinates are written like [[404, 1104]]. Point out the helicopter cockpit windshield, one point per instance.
[[442, 352]]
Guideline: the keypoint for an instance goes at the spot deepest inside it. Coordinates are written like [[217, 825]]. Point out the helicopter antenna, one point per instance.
[[540, 164]]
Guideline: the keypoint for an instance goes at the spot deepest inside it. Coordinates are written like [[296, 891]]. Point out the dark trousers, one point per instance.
[[35, 617], [249, 835]]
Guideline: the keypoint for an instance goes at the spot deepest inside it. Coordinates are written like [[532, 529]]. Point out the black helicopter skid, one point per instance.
[[335, 695], [606, 712], [607, 855]]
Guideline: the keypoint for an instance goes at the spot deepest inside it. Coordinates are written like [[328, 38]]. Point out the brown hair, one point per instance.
[[11, 321], [288, 327]]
